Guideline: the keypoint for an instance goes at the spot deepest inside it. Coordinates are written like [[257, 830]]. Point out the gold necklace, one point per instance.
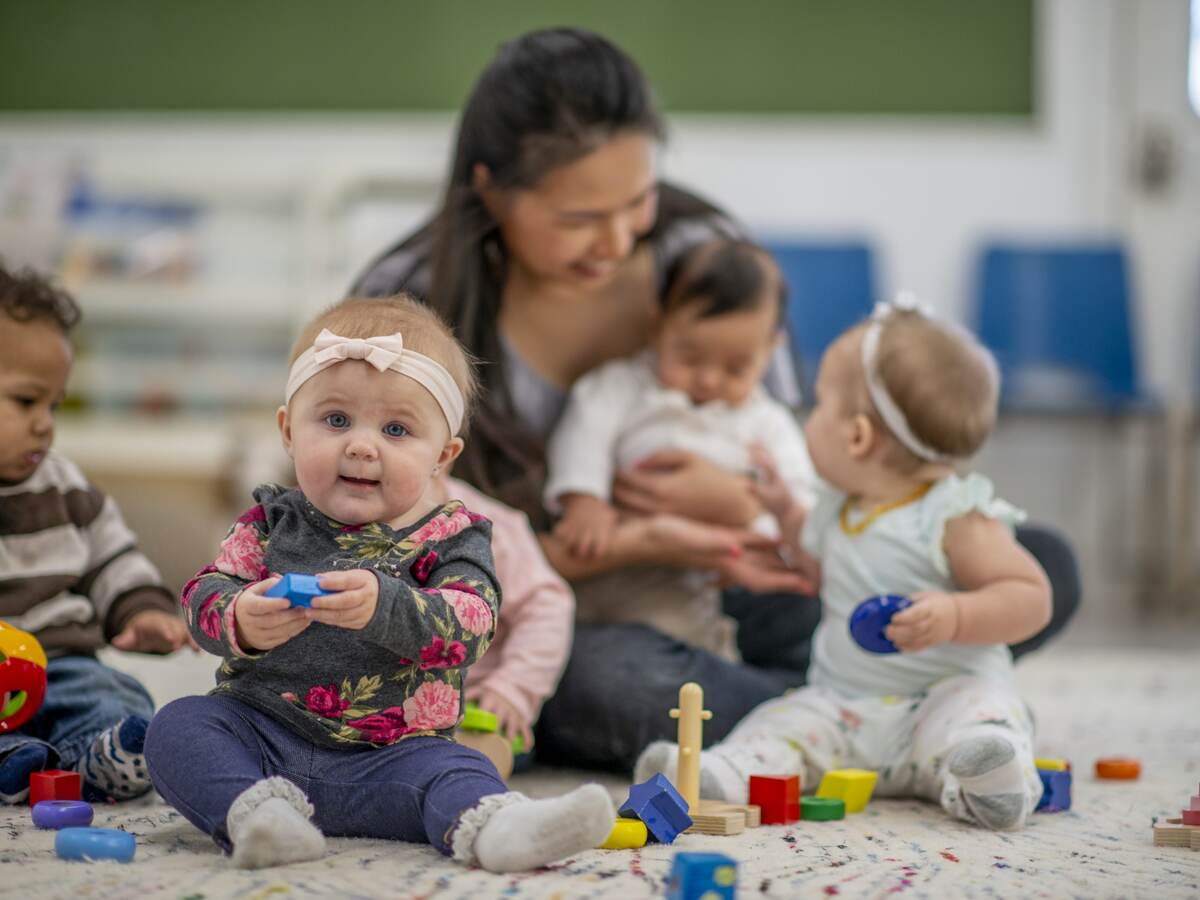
[[855, 530]]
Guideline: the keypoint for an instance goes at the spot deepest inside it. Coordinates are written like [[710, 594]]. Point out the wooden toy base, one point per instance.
[[715, 817], [491, 745], [1173, 833]]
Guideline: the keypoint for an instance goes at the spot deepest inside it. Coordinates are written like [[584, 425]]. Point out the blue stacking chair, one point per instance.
[[831, 286], [1061, 322]]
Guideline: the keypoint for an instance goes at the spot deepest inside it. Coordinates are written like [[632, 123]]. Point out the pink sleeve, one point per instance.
[[537, 612]]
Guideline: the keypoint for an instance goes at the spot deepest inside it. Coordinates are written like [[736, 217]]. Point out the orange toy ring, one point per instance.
[[1117, 767]]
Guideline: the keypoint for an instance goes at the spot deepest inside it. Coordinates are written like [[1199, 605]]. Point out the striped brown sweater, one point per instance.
[[70, 570]]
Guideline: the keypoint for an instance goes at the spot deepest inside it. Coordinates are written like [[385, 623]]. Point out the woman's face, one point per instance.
[[582, 220]]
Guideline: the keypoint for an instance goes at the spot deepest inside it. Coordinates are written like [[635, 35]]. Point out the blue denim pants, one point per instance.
[[202, 752], [83, 698]]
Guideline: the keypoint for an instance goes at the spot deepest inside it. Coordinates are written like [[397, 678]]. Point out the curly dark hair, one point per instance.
[[26, 295]]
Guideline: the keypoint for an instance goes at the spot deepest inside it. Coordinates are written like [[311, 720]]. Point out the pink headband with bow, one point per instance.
[[385, 353]]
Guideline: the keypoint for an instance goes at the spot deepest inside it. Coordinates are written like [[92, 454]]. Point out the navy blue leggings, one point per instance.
[[204, 751]]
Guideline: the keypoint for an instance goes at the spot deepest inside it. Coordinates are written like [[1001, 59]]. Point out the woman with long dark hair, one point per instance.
[[548, 254]]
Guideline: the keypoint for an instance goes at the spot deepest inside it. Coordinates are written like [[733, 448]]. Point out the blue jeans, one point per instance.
[[621, 680], [83, 698], [202, 752]]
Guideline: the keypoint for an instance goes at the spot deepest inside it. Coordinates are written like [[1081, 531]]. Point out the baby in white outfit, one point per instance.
[[899, 401], [697, 388]]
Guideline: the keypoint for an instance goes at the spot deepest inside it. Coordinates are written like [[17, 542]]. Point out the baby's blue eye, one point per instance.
[[337, 420], [395, 429]]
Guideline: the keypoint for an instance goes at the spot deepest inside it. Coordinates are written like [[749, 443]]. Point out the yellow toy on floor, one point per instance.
[[852, 786]]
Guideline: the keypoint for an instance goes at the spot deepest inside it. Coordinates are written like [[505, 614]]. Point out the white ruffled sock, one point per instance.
[[269, 825], [511, 833]]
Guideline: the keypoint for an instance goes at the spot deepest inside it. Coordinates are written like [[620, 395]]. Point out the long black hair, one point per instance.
[[547, 99]]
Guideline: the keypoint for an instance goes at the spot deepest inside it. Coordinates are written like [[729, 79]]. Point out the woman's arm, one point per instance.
[[681, 483], [1004, 595], [736, 555]]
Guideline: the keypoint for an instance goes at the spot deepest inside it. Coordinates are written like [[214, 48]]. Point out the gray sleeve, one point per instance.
[[405, 268]]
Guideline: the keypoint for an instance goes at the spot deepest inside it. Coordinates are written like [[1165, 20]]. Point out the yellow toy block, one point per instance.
[[851, 786], [1052, 765], [626, 834]]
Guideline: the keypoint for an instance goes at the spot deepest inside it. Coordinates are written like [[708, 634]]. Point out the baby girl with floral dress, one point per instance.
[[338, 719]]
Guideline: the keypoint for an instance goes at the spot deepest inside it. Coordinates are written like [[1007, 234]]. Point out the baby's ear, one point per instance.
[[449, 454], [285, 428], [863, 436]]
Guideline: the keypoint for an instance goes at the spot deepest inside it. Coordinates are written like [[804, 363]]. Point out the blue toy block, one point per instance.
[[1056, 790], [870, 619], [300, 589], [702, 876], [659, 805]]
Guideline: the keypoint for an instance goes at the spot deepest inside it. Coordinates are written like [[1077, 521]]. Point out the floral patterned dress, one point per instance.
[[402, 674]]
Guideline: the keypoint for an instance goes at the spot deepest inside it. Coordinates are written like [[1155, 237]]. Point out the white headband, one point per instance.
[[893, 417], [384, 352]]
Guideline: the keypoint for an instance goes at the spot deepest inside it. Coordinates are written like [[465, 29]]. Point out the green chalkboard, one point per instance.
[[903, 57]]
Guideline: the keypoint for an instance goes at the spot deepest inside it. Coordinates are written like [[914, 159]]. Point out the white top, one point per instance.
[[899, 553], [619, 414]]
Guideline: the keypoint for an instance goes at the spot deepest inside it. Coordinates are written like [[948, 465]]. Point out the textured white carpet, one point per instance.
[[1088, 703]]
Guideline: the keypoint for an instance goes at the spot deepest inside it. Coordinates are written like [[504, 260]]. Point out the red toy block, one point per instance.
[[1191, 817], [54, 784], [778, 796]]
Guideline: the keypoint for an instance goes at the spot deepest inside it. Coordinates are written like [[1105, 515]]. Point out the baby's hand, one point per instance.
[[353, 601], [263, 623], [586, 526], [931, 620], [509, 719], [154, 631]]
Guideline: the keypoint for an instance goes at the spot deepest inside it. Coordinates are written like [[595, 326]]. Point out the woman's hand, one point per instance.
[[739, 557], [263, 623], [683, 484]]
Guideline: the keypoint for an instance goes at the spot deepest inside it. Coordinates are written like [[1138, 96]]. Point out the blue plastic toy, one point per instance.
[[702, 876], [660, 806], [300, 589], [62, 814], [871, 618], [1056, 790], [89, 844]]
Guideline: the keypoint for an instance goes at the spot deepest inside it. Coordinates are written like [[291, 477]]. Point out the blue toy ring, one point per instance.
[[870, 619], [90, 844], [62, 814]]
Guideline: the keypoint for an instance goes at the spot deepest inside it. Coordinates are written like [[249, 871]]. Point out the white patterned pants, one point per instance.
[[906, 739]]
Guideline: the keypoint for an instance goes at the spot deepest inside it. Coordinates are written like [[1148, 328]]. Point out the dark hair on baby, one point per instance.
[[727, 276], [25, 296]]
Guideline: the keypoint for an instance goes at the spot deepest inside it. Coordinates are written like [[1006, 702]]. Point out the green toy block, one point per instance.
[[822, 809]]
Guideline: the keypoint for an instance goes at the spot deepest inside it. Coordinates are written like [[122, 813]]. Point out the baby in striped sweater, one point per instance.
[[70, 570]]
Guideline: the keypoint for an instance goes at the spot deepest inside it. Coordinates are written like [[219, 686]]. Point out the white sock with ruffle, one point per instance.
[[269, 825], [511, 833]]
